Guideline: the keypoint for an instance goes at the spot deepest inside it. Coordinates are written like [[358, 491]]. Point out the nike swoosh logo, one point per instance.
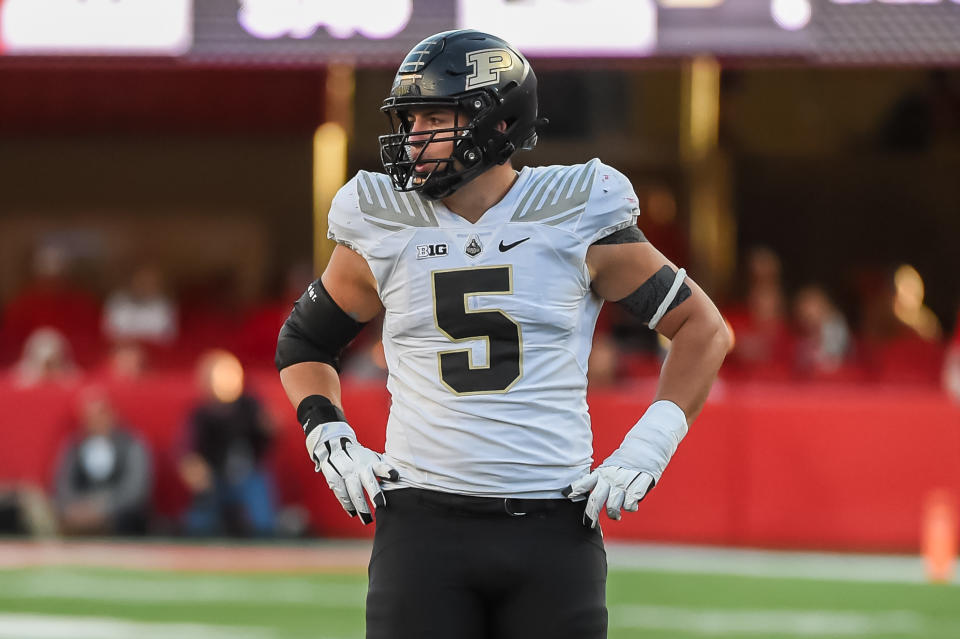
[[506, 247]]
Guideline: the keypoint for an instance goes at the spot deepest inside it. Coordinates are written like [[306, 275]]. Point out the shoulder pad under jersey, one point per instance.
[[591, 200], [555, 195], [612, 205], [366, 208]]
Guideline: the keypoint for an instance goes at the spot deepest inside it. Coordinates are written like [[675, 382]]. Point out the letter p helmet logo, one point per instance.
[[487, 65]]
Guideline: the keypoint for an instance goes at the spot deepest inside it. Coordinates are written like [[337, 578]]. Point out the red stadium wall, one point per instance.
[[778, 466]]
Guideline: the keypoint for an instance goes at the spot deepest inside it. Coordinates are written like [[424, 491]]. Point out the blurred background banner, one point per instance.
[[68, 27], [370, 32], [310, 32], [598, 28], [377, 32]]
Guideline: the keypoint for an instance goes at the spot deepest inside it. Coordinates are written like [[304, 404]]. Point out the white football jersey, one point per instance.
[[488, 326]]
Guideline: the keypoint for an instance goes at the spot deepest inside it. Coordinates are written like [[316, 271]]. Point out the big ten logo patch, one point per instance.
[[431, 250]]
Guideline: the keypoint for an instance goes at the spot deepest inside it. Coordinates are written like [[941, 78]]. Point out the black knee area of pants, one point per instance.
[[455, 566]]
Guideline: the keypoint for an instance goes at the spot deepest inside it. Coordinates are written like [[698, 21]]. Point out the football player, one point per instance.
[[491, 280]]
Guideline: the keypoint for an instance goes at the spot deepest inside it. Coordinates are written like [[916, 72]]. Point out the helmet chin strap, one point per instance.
[[441, 184]]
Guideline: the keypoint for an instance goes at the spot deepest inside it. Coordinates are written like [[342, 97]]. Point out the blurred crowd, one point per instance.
[[54, 333], [804, 336], [54, 330], [104, 475], [57, 336], [54, 327]]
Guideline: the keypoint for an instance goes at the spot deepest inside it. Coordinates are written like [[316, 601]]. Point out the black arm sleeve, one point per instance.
[[317, 330], [645, 301]]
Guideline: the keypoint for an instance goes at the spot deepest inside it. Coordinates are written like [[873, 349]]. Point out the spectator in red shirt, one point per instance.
[[46, 359], [824, 344], [951, 364], [256, 340], [49, 298], [763, 344], [901, 336]]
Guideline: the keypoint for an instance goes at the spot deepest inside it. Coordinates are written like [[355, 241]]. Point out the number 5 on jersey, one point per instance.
[[452, 290]]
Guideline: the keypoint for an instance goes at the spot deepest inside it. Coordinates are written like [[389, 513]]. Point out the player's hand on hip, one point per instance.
[[349, 468], [627, 475], [612, 488], [352, 470]]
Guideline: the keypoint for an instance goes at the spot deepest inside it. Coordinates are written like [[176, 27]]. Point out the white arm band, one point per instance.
[[319, 436], [651, 443], [665, 304]]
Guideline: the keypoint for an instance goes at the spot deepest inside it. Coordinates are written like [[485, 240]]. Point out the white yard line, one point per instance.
[[27, 626], [348, 556], [767, 563], [70, 585], [351, 556], [801, 623]]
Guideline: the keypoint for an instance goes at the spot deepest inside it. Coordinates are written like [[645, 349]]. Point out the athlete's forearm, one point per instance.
[[311, 378], [696, 353]]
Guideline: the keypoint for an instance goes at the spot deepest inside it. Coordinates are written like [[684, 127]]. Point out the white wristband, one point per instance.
[[323, 434], [652, 441]]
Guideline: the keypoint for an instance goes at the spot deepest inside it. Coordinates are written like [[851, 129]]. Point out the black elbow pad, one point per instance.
[[317, 330]]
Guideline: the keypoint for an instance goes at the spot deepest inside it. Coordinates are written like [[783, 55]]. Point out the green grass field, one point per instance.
[[99, 603]]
